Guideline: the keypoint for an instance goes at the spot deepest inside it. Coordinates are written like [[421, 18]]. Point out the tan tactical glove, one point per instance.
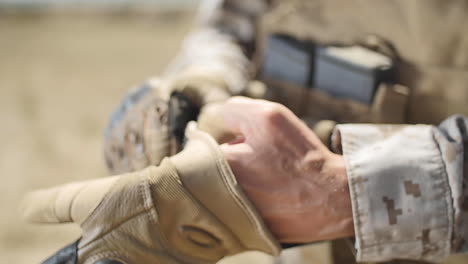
[[189, 209]]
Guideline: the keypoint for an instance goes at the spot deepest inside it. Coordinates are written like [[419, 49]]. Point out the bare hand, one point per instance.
[[299, 187]]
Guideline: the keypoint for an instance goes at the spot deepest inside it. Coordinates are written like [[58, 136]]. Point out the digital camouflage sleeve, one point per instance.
[[222, 43], [408, 186]]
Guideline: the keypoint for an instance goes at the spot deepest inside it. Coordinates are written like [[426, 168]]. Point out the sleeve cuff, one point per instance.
[[400, 193]]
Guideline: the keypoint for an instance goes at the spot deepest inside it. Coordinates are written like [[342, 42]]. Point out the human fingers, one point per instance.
[[72, 202], [211, 120], [231, 120]]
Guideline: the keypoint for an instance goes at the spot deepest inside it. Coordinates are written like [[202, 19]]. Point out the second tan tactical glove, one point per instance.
[[189, 209]]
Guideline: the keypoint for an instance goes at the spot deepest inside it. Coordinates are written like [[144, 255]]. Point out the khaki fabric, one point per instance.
[[389, 105], [429, 37], [163, 214]]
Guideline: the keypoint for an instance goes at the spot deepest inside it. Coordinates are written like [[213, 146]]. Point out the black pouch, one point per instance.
[[66, 255], [347, 72], [351, 72], [288, 59]]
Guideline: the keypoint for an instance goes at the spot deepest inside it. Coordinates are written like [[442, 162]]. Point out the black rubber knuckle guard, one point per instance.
[[67, 255]]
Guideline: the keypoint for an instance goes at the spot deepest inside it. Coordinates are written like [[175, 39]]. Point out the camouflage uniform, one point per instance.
[[413, 205]]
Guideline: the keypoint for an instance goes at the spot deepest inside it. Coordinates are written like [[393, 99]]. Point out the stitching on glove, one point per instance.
[[226, 173], [109, 254]]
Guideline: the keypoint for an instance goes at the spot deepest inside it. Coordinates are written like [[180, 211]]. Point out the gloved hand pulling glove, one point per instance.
[[189, 209]]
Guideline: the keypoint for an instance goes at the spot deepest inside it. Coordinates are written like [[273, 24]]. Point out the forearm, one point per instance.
[[222, 43], [408, 188]]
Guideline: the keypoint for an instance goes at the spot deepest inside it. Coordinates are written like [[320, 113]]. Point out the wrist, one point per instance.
[[340, 202]]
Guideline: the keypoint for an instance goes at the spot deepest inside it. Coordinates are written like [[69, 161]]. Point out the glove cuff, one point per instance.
[[205, 173]]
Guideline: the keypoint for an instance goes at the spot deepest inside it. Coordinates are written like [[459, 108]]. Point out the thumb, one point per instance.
[[228, 121], [211, 120], [72, 202]]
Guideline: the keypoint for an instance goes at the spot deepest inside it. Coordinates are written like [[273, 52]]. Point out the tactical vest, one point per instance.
[[429, 38]]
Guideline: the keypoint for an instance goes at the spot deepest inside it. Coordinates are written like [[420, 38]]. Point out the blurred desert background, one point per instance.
[[61, 74], [63, 69]]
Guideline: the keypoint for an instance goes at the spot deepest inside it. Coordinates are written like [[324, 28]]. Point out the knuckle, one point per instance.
[[273, 113]]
